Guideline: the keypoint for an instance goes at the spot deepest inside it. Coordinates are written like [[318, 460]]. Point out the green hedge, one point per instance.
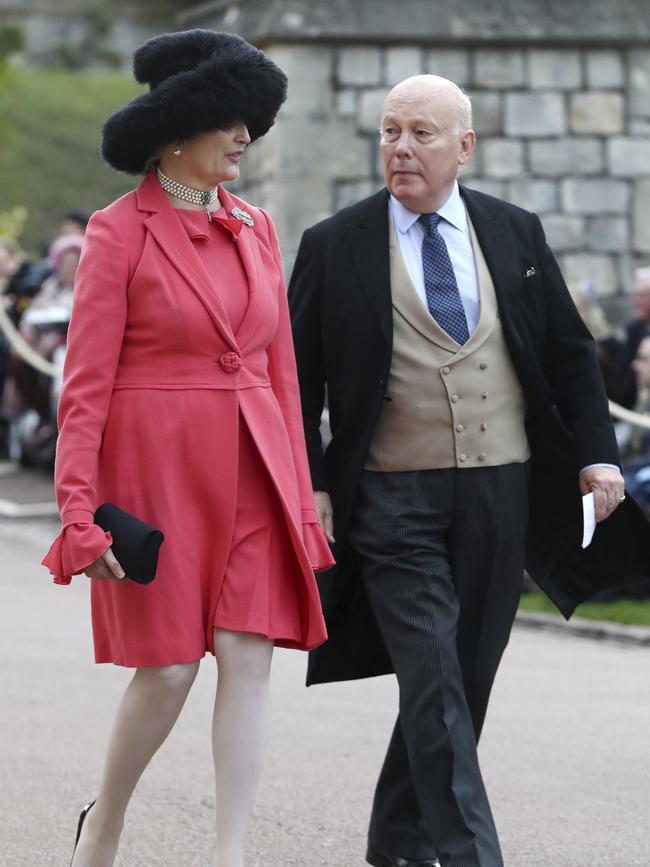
[[629, 611], [50, 123]]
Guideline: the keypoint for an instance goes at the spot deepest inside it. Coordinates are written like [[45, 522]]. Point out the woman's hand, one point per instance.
[[325, 514], [106, 568]]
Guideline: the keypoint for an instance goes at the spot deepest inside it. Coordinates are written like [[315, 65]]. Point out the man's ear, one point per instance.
[[467, 144]]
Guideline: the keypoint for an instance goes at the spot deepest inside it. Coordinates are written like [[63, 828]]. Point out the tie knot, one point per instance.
[[429, 222]]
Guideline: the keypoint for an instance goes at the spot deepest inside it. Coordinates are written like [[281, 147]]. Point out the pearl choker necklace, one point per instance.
[[188, 194]]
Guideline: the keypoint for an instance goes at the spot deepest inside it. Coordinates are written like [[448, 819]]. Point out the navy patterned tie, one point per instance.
[[441, 288]]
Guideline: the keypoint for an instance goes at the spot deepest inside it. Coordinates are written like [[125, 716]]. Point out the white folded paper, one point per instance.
[[588, 519]]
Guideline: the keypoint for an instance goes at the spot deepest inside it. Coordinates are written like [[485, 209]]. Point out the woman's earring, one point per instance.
[[177, 149]]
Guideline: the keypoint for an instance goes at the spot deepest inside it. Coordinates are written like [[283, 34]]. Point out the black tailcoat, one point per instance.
[[340, 300]]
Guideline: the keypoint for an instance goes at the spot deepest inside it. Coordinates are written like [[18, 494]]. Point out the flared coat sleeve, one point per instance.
[[284, 381], [93, 349]]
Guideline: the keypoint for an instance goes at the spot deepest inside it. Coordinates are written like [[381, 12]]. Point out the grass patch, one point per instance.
[[49, 144], [631, 612]]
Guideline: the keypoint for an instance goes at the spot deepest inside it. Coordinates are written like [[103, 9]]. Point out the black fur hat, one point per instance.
[[199, 81]]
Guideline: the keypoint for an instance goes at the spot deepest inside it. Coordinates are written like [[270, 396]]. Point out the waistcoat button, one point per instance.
[[482, 456], [230, 362], [454, 398], [483, 426], [483, 365], [462, 457], [460, 428], [446, 370], [484, 395]]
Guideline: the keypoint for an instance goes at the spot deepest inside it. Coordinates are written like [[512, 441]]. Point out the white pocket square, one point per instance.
[[531, 272]]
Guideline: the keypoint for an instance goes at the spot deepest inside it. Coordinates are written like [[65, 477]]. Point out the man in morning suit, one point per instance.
[[467, 417]]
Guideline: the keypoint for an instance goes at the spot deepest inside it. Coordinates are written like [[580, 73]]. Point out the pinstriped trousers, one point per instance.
[[441, 553]]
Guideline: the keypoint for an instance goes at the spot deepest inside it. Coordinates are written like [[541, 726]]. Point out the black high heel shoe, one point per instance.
[[82, 819]]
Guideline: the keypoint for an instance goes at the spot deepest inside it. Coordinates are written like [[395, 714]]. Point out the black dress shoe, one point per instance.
[[82, 819], [379, 858]]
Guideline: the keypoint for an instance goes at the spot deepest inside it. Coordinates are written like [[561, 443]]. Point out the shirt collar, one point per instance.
[[453, 211]]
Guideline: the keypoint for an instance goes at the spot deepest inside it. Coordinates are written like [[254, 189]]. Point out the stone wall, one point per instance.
[[562, 112], [561, 131], [80, 34]]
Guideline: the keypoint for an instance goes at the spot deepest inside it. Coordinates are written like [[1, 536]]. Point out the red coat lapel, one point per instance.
[[247, 245], [165, 226]]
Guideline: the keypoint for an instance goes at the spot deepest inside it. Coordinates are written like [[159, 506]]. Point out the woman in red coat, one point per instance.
[[180, 405]]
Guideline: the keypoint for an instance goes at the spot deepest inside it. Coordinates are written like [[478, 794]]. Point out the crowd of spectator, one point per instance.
[[36, 300], [624, 359]]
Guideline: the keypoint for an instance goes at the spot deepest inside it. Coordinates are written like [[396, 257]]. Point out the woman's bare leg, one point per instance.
[[148, 710], [238, 733]]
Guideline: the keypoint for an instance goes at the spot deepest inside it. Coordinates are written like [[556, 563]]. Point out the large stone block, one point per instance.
[[499, 68], [629, 157], [555, 69], [604, 68], [487, 185], [349, 193], [487, 112], [502, 158], [534, 195], [597, 112], [466, 180], [564, 232], [594, 196], [370, 106], [641, 235], [401, 63], [451, 63], [597, 269], [609, 234], [639, 126], [566, 156], [295, 204], [330, 149], [535, 114], [260, 160], [639, 83], [309, 70], [359, 65], [346, 102]]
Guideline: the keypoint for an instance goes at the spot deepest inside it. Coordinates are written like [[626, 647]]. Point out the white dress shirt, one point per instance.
[[455, 232]]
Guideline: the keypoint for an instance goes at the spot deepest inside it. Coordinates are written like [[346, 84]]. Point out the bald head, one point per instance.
[[426, 135], [432, 92]]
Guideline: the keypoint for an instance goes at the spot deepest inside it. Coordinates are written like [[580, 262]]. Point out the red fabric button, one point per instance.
[[230, 362]]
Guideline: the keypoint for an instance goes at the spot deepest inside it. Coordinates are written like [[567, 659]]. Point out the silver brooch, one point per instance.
[[244, 216]]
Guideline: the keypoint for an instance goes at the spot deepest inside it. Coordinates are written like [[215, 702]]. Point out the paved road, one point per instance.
[[566, 751]]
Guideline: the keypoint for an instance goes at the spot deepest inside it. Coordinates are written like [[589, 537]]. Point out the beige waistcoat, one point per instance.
[[447, 405]]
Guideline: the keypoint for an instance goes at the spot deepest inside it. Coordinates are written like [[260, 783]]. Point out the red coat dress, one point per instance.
[[159, 397]]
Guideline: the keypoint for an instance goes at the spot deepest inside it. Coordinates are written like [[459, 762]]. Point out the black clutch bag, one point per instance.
[[135, 544]]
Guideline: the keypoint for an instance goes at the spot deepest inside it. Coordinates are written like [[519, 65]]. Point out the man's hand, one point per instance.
[[608, 489], [106, 568], [325, 514]]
